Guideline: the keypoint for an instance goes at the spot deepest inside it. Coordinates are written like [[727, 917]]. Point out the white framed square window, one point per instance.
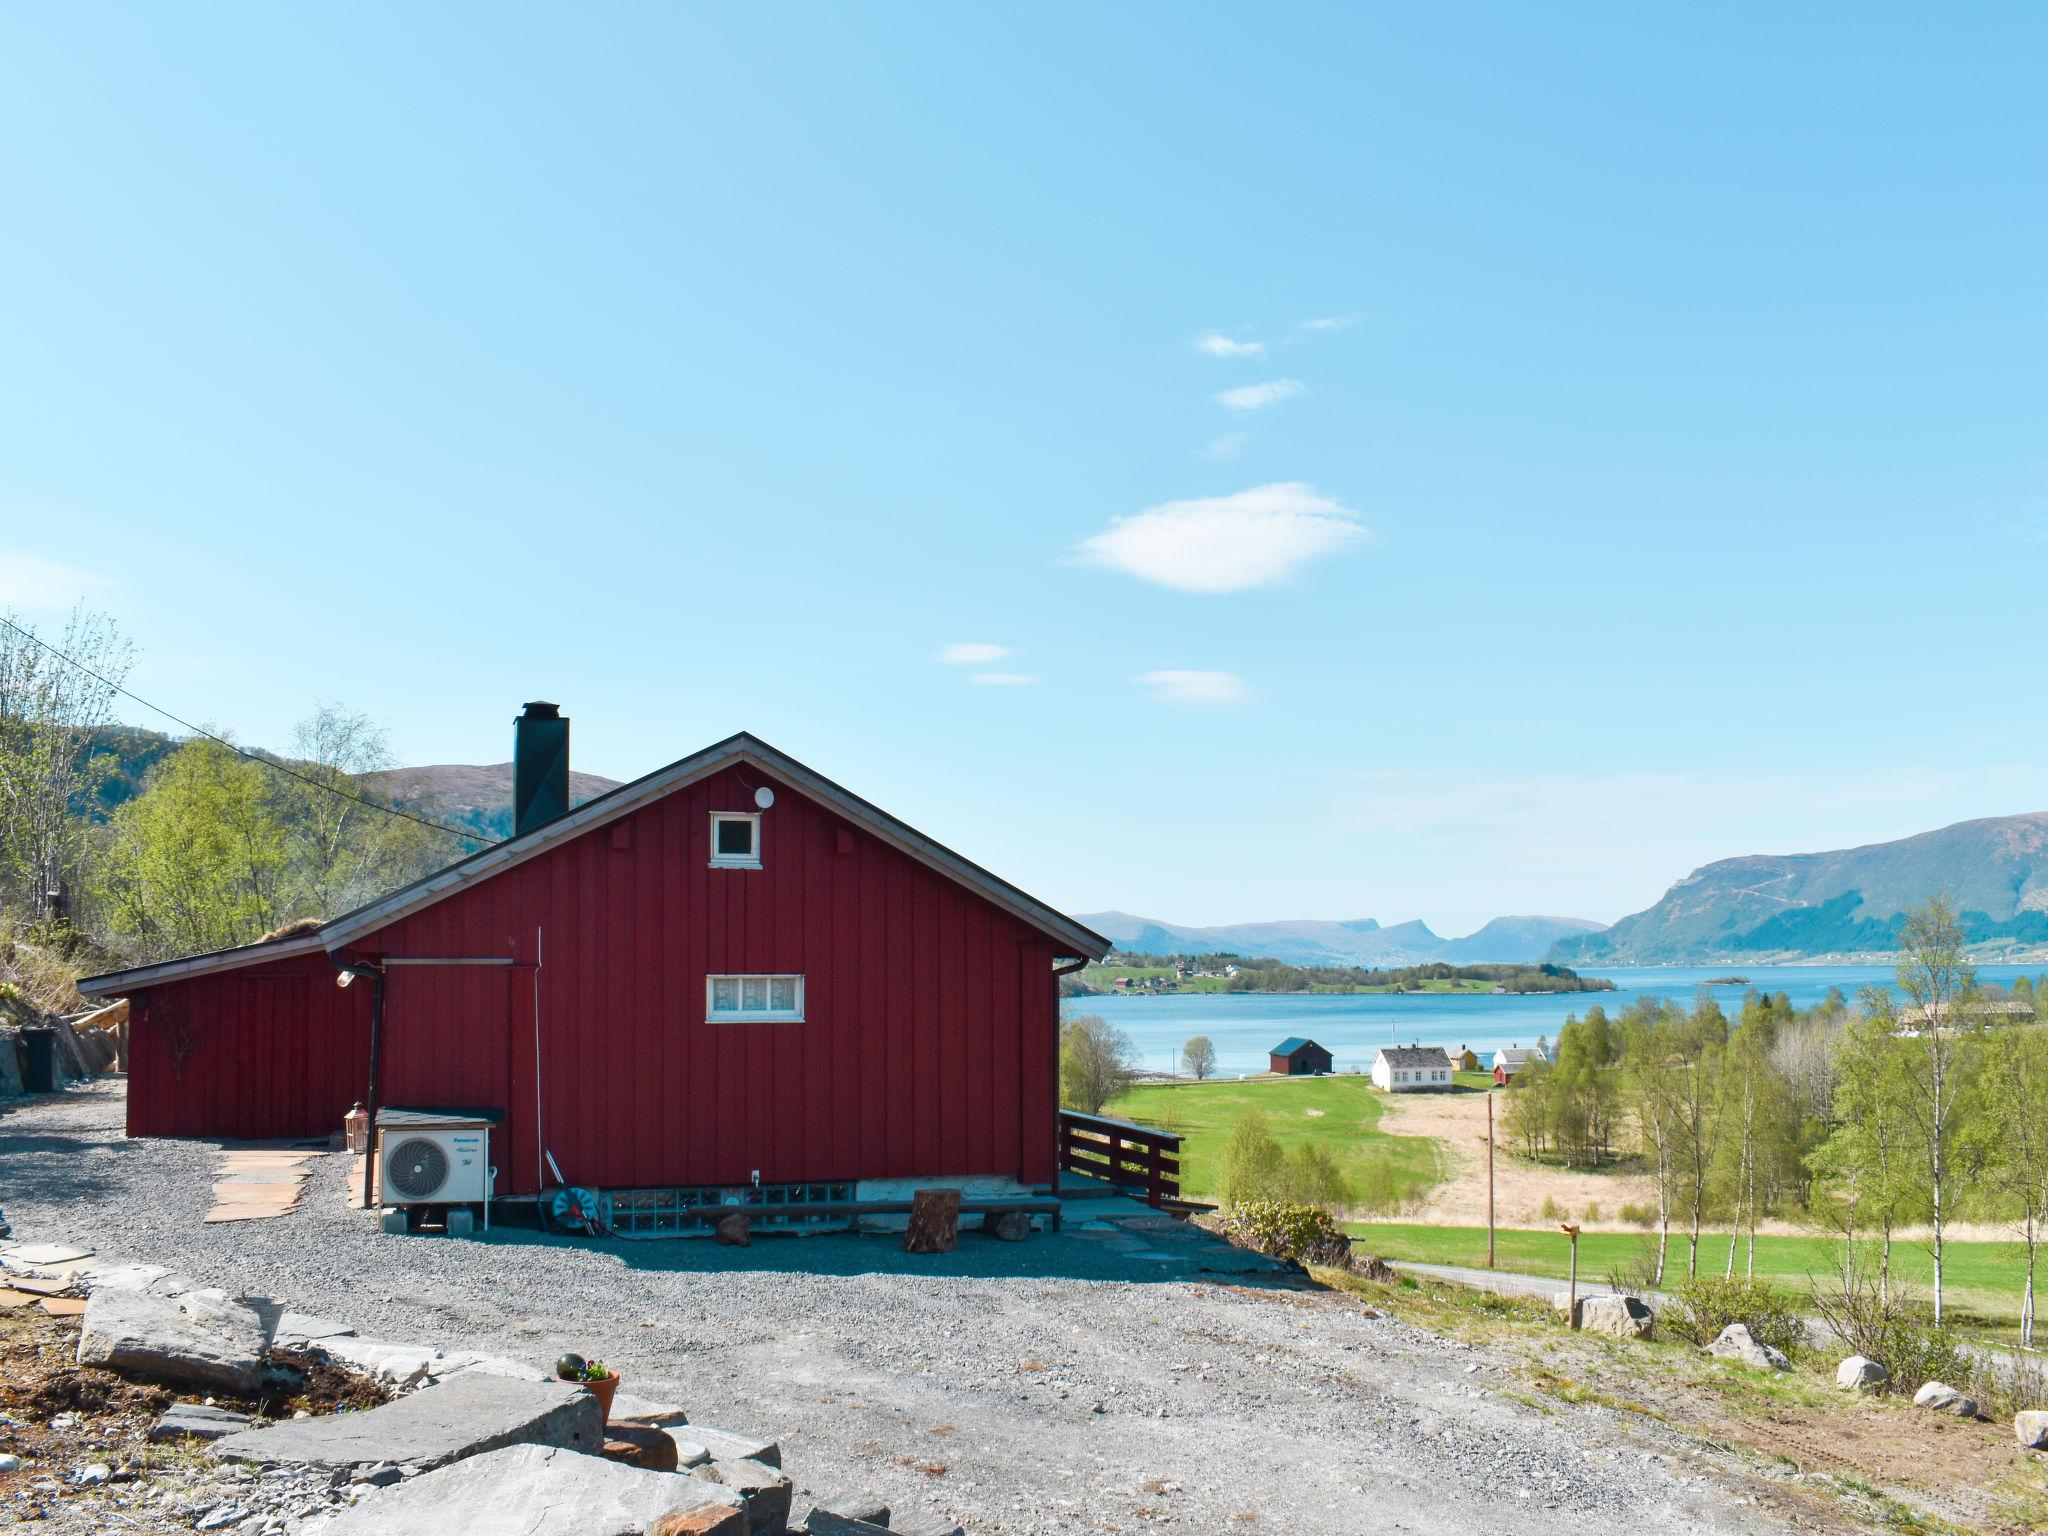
[[753, 999], [735, 840]]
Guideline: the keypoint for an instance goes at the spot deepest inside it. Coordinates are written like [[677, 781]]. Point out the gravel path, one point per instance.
[[1068, 1383]]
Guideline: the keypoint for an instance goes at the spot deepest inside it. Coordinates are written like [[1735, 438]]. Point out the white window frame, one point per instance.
[[753, 1015], [735, 860]]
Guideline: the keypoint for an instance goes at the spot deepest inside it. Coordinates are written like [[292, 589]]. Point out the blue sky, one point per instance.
[[1475, 460]]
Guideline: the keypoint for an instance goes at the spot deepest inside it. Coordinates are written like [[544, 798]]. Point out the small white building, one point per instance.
[[1411, 1068]]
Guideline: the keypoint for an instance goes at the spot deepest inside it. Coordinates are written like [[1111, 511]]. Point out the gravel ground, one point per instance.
[[1068, 1383]]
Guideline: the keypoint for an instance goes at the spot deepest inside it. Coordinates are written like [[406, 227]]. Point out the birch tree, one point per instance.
[[50, 709], [2020, 1158], [1943, 1050]]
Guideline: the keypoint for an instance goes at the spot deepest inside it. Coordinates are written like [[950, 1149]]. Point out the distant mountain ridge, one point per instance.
[[1851, 901], [1355, 941], [475, 795]]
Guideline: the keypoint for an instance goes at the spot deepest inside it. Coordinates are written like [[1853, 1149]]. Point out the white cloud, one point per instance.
[[36, 585], [1216, 344], [1229, 446], [1330, 323], [1256, 397], [1253, 538], [974, 653], [1200, 690], [1003, 679]]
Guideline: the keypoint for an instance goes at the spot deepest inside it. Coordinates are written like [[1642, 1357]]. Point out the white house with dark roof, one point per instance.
[[1411, 1068]]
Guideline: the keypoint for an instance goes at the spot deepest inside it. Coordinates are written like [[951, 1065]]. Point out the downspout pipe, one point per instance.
[[362, 971]]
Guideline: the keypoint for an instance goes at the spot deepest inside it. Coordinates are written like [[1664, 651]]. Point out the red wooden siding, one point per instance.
[[926, 1046], [273, 1050]]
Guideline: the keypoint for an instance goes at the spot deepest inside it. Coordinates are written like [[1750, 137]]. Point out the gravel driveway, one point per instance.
[[1068, 1383]]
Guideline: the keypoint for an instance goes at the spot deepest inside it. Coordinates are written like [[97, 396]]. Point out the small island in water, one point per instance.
[[1125, 974], [1726, 981]]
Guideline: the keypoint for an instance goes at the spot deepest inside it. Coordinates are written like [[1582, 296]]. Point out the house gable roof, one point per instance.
[[1415, 1056], [1071, 939], [1294, 1045], [114, 983]]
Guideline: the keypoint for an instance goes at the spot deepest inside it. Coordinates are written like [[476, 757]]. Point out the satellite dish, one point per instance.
[[764, 797]]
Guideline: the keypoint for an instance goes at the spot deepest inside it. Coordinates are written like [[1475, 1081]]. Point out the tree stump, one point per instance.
[[1010, 1226], [934, 1221], [735, 1230]]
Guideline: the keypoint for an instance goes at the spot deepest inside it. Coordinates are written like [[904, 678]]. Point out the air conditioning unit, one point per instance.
[[435, 1157]]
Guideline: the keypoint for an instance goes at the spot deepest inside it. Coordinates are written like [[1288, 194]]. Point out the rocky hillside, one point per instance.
[[1850, 901], [1356, 941], [471, 794]]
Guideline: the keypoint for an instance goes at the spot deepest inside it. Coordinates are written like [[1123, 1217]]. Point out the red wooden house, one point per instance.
[[729, 970]]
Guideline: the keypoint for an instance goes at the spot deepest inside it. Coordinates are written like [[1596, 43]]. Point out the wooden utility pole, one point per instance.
[[1571, 1231], [1489, 1178]]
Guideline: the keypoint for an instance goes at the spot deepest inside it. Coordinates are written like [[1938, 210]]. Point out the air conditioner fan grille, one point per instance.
[[416, 1168]]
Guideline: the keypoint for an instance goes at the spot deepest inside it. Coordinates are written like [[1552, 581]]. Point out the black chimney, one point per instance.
[[540, 766]]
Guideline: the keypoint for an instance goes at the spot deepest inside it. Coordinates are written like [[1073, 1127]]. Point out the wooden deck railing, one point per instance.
[[1133, 1157]]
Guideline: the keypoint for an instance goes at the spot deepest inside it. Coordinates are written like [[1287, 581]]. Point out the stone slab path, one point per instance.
[[257, 1183]]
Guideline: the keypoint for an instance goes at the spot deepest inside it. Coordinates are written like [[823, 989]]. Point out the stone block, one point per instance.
[[641, 1445], [1943, 1398], [2031, 1428], [1859, 1373], [1622, 1317], [630, 1409], [727, 1446], [458, 1419], [708, 1521], [1010, 1226], [201, 1421], [1736, 1343], [847, 1514], [193, 1339], [763, 1489], [533, 1490], [301, 1330], [395, 1364]]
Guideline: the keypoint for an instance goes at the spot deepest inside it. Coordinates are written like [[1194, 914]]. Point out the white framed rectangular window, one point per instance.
[[753, 999], [735, 840]]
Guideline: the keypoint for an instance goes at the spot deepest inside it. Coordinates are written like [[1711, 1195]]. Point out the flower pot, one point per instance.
[[604, 1391]]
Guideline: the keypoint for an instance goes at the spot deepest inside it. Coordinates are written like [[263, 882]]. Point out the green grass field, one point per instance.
[[1983, 1280], [1342, 1113]]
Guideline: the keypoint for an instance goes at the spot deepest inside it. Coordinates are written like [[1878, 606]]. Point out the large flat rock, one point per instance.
[[463, 1417], [200, 1338], [525, 1490]]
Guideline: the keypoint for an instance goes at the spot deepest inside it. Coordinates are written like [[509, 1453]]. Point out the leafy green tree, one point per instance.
[[2020, 1148], [1756, 1142], [345, 852], [1865, 1162], [1942, 1066], [1254, 1166], [49, 711], [1095, 1063], [1198, 1057], [1312, 1176], [200, 860]]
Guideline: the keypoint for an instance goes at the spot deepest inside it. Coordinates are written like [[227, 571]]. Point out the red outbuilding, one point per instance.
[[729, 972]]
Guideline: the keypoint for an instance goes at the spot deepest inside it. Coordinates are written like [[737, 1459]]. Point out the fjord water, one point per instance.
[[1246, 1025]]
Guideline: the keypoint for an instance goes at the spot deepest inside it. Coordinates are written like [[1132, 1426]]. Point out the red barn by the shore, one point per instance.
[[729, 968]]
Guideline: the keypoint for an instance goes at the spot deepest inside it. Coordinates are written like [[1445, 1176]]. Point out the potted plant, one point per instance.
[[594, 1376]]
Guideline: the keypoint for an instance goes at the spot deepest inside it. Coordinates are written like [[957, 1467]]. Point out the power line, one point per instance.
[[255, 757]]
